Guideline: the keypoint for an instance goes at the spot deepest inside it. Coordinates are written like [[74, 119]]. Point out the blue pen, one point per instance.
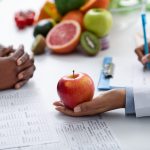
[[146, 49]]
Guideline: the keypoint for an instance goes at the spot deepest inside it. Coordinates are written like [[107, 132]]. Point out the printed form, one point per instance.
[[129, 74], [26, 125], [23, 122]]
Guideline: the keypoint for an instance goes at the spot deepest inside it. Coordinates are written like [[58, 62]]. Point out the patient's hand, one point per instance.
[[107, 101], [16, 67]]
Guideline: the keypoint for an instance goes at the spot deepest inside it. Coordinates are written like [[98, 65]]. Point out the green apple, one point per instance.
[[98, 21]]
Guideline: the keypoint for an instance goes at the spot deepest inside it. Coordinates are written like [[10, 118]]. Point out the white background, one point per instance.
[[132, 133]]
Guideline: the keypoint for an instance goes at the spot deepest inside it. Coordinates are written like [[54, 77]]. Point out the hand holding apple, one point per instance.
[[75, 89], [98, 21], [110, 100]]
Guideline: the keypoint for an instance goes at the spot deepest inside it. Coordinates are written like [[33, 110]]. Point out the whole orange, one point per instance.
[[101, 4], [75, 15], [88, 5]]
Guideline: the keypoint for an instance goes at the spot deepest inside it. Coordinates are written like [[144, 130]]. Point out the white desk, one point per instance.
[[131, 132]]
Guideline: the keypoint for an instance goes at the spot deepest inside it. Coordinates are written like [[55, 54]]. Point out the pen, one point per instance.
[[146, 49]]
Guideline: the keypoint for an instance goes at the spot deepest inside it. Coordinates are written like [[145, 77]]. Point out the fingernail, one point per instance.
[[144, 60], [77, 109], [56, 108], [20, 76], [17, 86], [59, 108], [19, 62]]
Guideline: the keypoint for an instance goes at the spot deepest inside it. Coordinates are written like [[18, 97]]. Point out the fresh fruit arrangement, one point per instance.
[[68, 24]]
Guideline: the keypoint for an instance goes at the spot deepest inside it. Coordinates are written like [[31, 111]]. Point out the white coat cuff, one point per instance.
[[142, 101]]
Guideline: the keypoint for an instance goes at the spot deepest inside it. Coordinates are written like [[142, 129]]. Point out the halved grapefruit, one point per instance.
[[64, 37]]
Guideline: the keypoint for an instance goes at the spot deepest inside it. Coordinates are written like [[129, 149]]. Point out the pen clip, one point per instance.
[[108, 70]]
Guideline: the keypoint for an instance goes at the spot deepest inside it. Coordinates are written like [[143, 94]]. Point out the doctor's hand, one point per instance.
[[140, 53], [107, 101]]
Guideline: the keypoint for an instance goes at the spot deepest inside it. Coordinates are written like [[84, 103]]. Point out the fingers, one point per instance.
[[27, 73], [20, 84], [24, 76], [69, 112], [27, 64], [86, 106], [65, 111], [140, 52], [146, 59], [5, 51], [18, 53], [141, 57], [84, 109], [58, 103], [23, 59]]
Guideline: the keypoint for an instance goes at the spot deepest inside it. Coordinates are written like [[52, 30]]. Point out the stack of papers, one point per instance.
[[25, 124]]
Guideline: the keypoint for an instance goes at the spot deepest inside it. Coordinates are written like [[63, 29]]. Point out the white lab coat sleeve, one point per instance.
[[142, 101]]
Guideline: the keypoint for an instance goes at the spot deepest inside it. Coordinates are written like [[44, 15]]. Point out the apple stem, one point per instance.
[[73, 73]]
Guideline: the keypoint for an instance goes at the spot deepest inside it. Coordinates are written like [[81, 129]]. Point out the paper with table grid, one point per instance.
[[25, 124], [129, 73]]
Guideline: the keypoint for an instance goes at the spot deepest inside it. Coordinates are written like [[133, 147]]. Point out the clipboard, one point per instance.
[[104, 82]]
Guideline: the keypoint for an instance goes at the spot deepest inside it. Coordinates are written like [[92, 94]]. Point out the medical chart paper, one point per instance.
[[23, 122], [91, 133], [85, 133], [129, 74], [26, 124]]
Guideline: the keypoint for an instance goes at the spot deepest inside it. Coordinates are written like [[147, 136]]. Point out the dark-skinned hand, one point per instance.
[[16, 67], [140, 53]]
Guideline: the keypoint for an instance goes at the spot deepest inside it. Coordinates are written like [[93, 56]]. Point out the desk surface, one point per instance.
[[132, 133]]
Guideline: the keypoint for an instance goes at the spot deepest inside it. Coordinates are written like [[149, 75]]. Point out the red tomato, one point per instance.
[[30, 17], [23, 19], [20, 20]]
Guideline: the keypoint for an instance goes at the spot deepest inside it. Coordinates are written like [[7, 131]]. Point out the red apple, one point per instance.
[[75, 89]]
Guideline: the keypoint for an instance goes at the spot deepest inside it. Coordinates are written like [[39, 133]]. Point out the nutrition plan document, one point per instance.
[[23, 120], [90, 133], [25, 124]]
